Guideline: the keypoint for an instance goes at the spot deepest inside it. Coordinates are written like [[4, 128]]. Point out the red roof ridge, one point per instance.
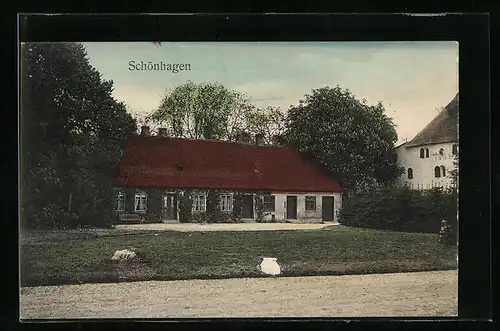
[[157, 161]]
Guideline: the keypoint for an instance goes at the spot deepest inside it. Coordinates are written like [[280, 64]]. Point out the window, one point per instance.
[[410, 173], [269, 203], [120, 201], [140, 201], [454, 149], [421, 153], [311, 203], [441, 151], [199, 203], [226, 202], [437, 172], [426, 152], [443, 171]]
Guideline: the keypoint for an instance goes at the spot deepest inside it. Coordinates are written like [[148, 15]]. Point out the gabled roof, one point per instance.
[[443, 128], [199, 164]]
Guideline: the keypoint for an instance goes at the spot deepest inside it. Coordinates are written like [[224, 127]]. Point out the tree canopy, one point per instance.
[[212, 111], [355, 141], [72, 131]]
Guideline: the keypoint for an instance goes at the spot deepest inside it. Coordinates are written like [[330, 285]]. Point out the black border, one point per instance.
[[470, 30]]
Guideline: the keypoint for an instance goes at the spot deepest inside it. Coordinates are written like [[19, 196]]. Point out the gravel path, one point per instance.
[[404, 294], [188, 227]]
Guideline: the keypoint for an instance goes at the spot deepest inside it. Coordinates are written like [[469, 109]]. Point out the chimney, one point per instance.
[[163, 132], [244, 137], [276, 140], [144, 130], [259, 139]]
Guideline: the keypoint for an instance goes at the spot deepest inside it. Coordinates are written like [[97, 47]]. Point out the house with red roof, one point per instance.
[[163, 179]]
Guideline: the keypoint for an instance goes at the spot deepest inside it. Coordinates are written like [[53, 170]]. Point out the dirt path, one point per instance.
[[406, 294]]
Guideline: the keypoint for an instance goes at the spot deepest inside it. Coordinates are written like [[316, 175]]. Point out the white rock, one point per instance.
[[269, 266], [124, 254]]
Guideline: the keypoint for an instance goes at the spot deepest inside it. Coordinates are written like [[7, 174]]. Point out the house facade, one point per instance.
[[164, 179], [429, 157]]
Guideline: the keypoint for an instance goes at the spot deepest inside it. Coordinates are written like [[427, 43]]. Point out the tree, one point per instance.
[[72, 132], [453, 174], [212, 111], [353, 140]]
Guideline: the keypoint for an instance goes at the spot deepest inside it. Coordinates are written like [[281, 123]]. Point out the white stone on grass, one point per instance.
[[124, 254], [269, 266]]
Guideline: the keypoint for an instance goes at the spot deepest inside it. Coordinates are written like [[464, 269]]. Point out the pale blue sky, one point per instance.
[[412, 79]]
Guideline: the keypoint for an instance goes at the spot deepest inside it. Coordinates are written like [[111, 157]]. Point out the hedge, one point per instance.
[[400, 209]]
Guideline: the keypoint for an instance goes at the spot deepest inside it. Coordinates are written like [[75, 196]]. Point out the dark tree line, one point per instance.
[[72, 133]]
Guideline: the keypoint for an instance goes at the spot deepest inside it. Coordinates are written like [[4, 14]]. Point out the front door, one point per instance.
[[247, 207], [327, 211], [169, 207], [291, 207]]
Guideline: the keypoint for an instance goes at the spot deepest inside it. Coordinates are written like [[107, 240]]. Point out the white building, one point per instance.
[[429, 157]]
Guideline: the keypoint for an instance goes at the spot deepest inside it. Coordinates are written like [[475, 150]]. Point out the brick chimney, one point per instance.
[[145, 130], [259, 139], [163, 132]]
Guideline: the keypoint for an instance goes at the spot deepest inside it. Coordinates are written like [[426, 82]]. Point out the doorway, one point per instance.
[[291, 207], [327, 209], [247, 206], [170, 207]]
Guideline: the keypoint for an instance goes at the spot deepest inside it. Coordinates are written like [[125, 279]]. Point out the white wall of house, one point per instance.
[[280, 205], [303, 215], [424, 168]]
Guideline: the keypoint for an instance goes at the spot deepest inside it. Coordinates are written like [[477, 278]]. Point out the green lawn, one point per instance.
[[49, 258]]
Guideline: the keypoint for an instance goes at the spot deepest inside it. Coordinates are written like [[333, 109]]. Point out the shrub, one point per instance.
[[400, 209], [154, 213], [235, 215], [185, 207], [259, 207]]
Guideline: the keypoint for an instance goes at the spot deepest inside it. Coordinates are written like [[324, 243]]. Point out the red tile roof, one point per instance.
[[181, 163]]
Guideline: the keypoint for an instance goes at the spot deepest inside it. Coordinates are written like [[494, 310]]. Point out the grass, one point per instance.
[[50, 258]]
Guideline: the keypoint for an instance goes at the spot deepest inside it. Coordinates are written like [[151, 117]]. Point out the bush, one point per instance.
[[186, 204], [400, 209], [259, 207], [235, 215]]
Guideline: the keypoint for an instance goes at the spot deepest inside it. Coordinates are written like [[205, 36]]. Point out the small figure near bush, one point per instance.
[[445, 234]]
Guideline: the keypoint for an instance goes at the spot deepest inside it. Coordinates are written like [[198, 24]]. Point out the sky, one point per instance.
[[413, 80]]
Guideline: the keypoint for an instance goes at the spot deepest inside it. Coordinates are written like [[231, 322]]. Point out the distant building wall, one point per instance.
[[423, 169]]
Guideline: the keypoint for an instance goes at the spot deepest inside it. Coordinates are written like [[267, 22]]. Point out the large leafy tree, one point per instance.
[[355, 141], [72, 131], [212, 111]]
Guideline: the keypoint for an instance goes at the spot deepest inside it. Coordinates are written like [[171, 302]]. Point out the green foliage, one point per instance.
[[185, 206], [259, 206], [212, 111], [353, 140], [453, 174], [213, 207], [72, 133], [201, 217], [155, 201], [237, 207], [129, 200], [400, 209]]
